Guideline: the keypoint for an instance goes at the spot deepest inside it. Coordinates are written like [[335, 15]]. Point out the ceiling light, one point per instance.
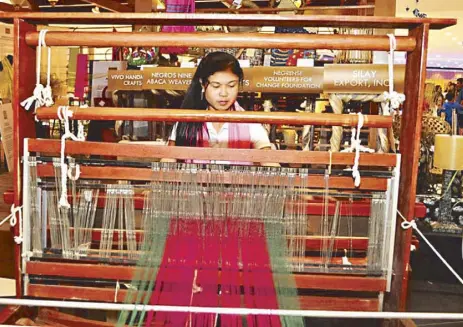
[[454, 38], [448, 33]]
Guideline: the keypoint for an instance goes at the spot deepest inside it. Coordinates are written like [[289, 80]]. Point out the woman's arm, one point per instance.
[[171, 142], [260, 141]]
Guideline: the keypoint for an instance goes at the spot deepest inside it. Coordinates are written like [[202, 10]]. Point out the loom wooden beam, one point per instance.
[[174, 115], [229, 20], [227, 40], [183, 153], [312, 209], [277, 10], [9, 313], [107, 295], [410, 135], [6, 7], [111, 5], [144, 174], [117, 272], [53, 317], [24, 124]]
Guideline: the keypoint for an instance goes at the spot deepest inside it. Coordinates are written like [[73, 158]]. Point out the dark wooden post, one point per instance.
[[410, 135], [24, 124]]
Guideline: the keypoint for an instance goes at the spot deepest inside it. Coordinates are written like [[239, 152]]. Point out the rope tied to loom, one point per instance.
[[14, 220], [64, 114], [392, 99], [406, 224], [37, 95], [47, 96], [355, 146]]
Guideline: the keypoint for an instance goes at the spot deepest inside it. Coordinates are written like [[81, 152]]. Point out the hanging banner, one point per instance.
[[344, 78], [369, 79]]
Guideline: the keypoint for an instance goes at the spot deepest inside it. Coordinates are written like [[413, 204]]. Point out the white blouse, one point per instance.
[[258, 134]]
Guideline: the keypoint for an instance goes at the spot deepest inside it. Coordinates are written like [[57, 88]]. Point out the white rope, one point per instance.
[[64, 114], [393, 100], [118, 287], [355, 169], [233, 311], [355, 145], [412, 224], [13, 221], [393, 47], [331, 162], [346, 262], [337, 103], [46, 93], [37, 95]]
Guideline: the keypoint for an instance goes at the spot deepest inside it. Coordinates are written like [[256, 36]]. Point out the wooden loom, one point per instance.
[[346, 288]]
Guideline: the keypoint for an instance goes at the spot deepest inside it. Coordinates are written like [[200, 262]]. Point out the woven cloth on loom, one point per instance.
[[213, 246]]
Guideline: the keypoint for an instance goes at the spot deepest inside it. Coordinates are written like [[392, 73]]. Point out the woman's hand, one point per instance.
[[269, 164]]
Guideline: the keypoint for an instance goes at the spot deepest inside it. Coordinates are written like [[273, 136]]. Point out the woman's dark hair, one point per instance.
[[188, 134]]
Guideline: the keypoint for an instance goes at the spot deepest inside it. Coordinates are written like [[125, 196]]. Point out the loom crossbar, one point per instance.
[[227, 19], [113, 272], [129, 150], [228, 40], [175, 115], [143, 174], [107, 295]]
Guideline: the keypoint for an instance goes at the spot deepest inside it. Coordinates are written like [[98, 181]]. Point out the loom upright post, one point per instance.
[[24, 124], [410, 135]]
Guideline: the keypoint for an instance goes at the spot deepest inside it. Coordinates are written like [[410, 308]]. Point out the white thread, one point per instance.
[[76, 175], [63, 115], [118, 286], [46, 93], [345, 261], [356, 147], [37, 95], [331, 159], [393, 46], [12, 216], [13, 221], [393, 100], [355, 169], [88, 195], [233, 311], [412, 224]]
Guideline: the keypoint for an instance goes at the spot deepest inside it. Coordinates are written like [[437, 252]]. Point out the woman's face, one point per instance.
[[222, 90]]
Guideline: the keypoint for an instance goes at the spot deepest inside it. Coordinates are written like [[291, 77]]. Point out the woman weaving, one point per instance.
[[215, 86], [199, 245]]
